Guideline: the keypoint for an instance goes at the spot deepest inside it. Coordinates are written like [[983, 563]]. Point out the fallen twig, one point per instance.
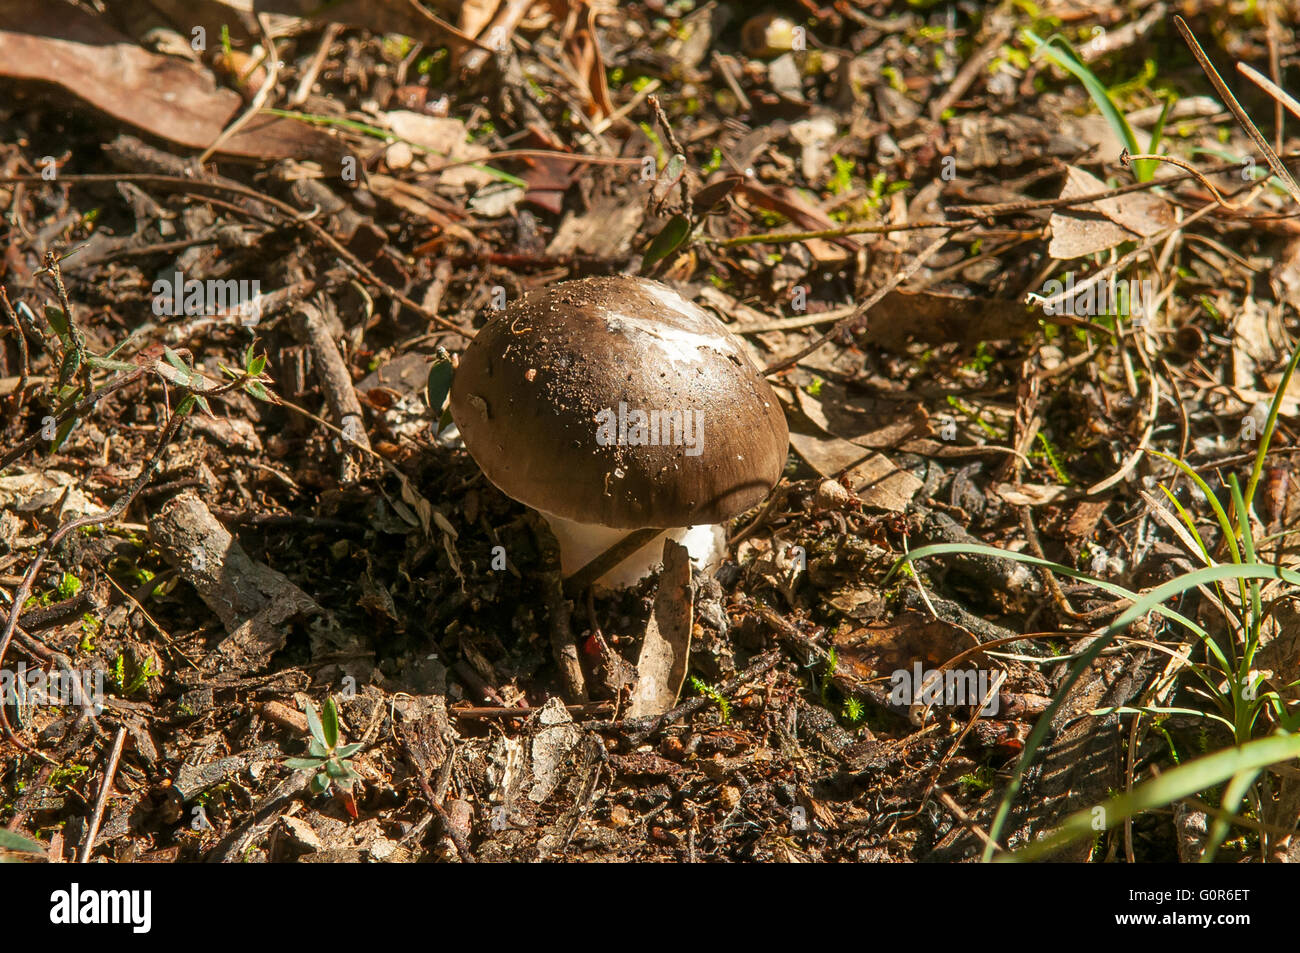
[[105, 788]]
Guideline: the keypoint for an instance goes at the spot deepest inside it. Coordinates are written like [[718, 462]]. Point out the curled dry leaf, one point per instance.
[[661, 668], [1082, 230], [166, 97]]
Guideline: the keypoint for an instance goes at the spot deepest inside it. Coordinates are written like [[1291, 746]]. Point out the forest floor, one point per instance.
[[242, 529]]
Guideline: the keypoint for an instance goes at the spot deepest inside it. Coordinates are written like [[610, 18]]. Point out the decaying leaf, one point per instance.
[[1087, 229], [169, 98], [661, 668]]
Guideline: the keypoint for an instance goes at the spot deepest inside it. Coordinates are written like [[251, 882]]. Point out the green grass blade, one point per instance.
[[1058, 50], [1235, 792], [1248, 551], [1158, 131], [941, 549], [1220, 514], [1190, 524], [1154, 710], [1149, 602], [1182, 781], [1270, 425]]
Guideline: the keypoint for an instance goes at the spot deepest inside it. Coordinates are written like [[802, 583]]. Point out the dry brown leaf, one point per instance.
[[927, 317], [873, 422], [1086, 229], [583, 49], [661, 668], [877, 482], [476, 14], [54, 42], [899, 644]]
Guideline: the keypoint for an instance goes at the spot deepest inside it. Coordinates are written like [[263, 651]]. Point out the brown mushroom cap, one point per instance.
[[530, 390]]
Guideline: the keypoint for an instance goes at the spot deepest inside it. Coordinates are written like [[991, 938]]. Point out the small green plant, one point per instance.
[[1263, 725], [977, 781], [973, 415], [65, 775], [141, 676], [254, 381], [1057, 49], [832, 663], [842, 180], [981, 360], [324, 752], [128, 685], [90, 627], [853, 711], [69, 586], [1049, 454], [704, 688]]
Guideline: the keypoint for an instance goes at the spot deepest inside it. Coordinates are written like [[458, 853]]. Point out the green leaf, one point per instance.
[[330, 723], [61, 434], [11, 841], [69, 366], [1058, 49], [668, 178], [255, 389], [314, 726], [107, 364], [176, 361], [1180, 782], [670, 238], [59, 322], [348, 750], [257, 365], [297, 764], [320, 783]]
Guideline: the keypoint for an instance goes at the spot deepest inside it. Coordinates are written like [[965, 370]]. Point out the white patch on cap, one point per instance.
[[676, 343]]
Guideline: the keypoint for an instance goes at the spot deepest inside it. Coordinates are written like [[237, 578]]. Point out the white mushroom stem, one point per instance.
[[580, 543]]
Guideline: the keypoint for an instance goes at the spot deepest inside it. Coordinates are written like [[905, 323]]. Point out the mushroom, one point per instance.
[[614, 404]]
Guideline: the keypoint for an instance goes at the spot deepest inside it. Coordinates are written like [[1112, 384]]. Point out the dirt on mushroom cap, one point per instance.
[[538, 381]]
